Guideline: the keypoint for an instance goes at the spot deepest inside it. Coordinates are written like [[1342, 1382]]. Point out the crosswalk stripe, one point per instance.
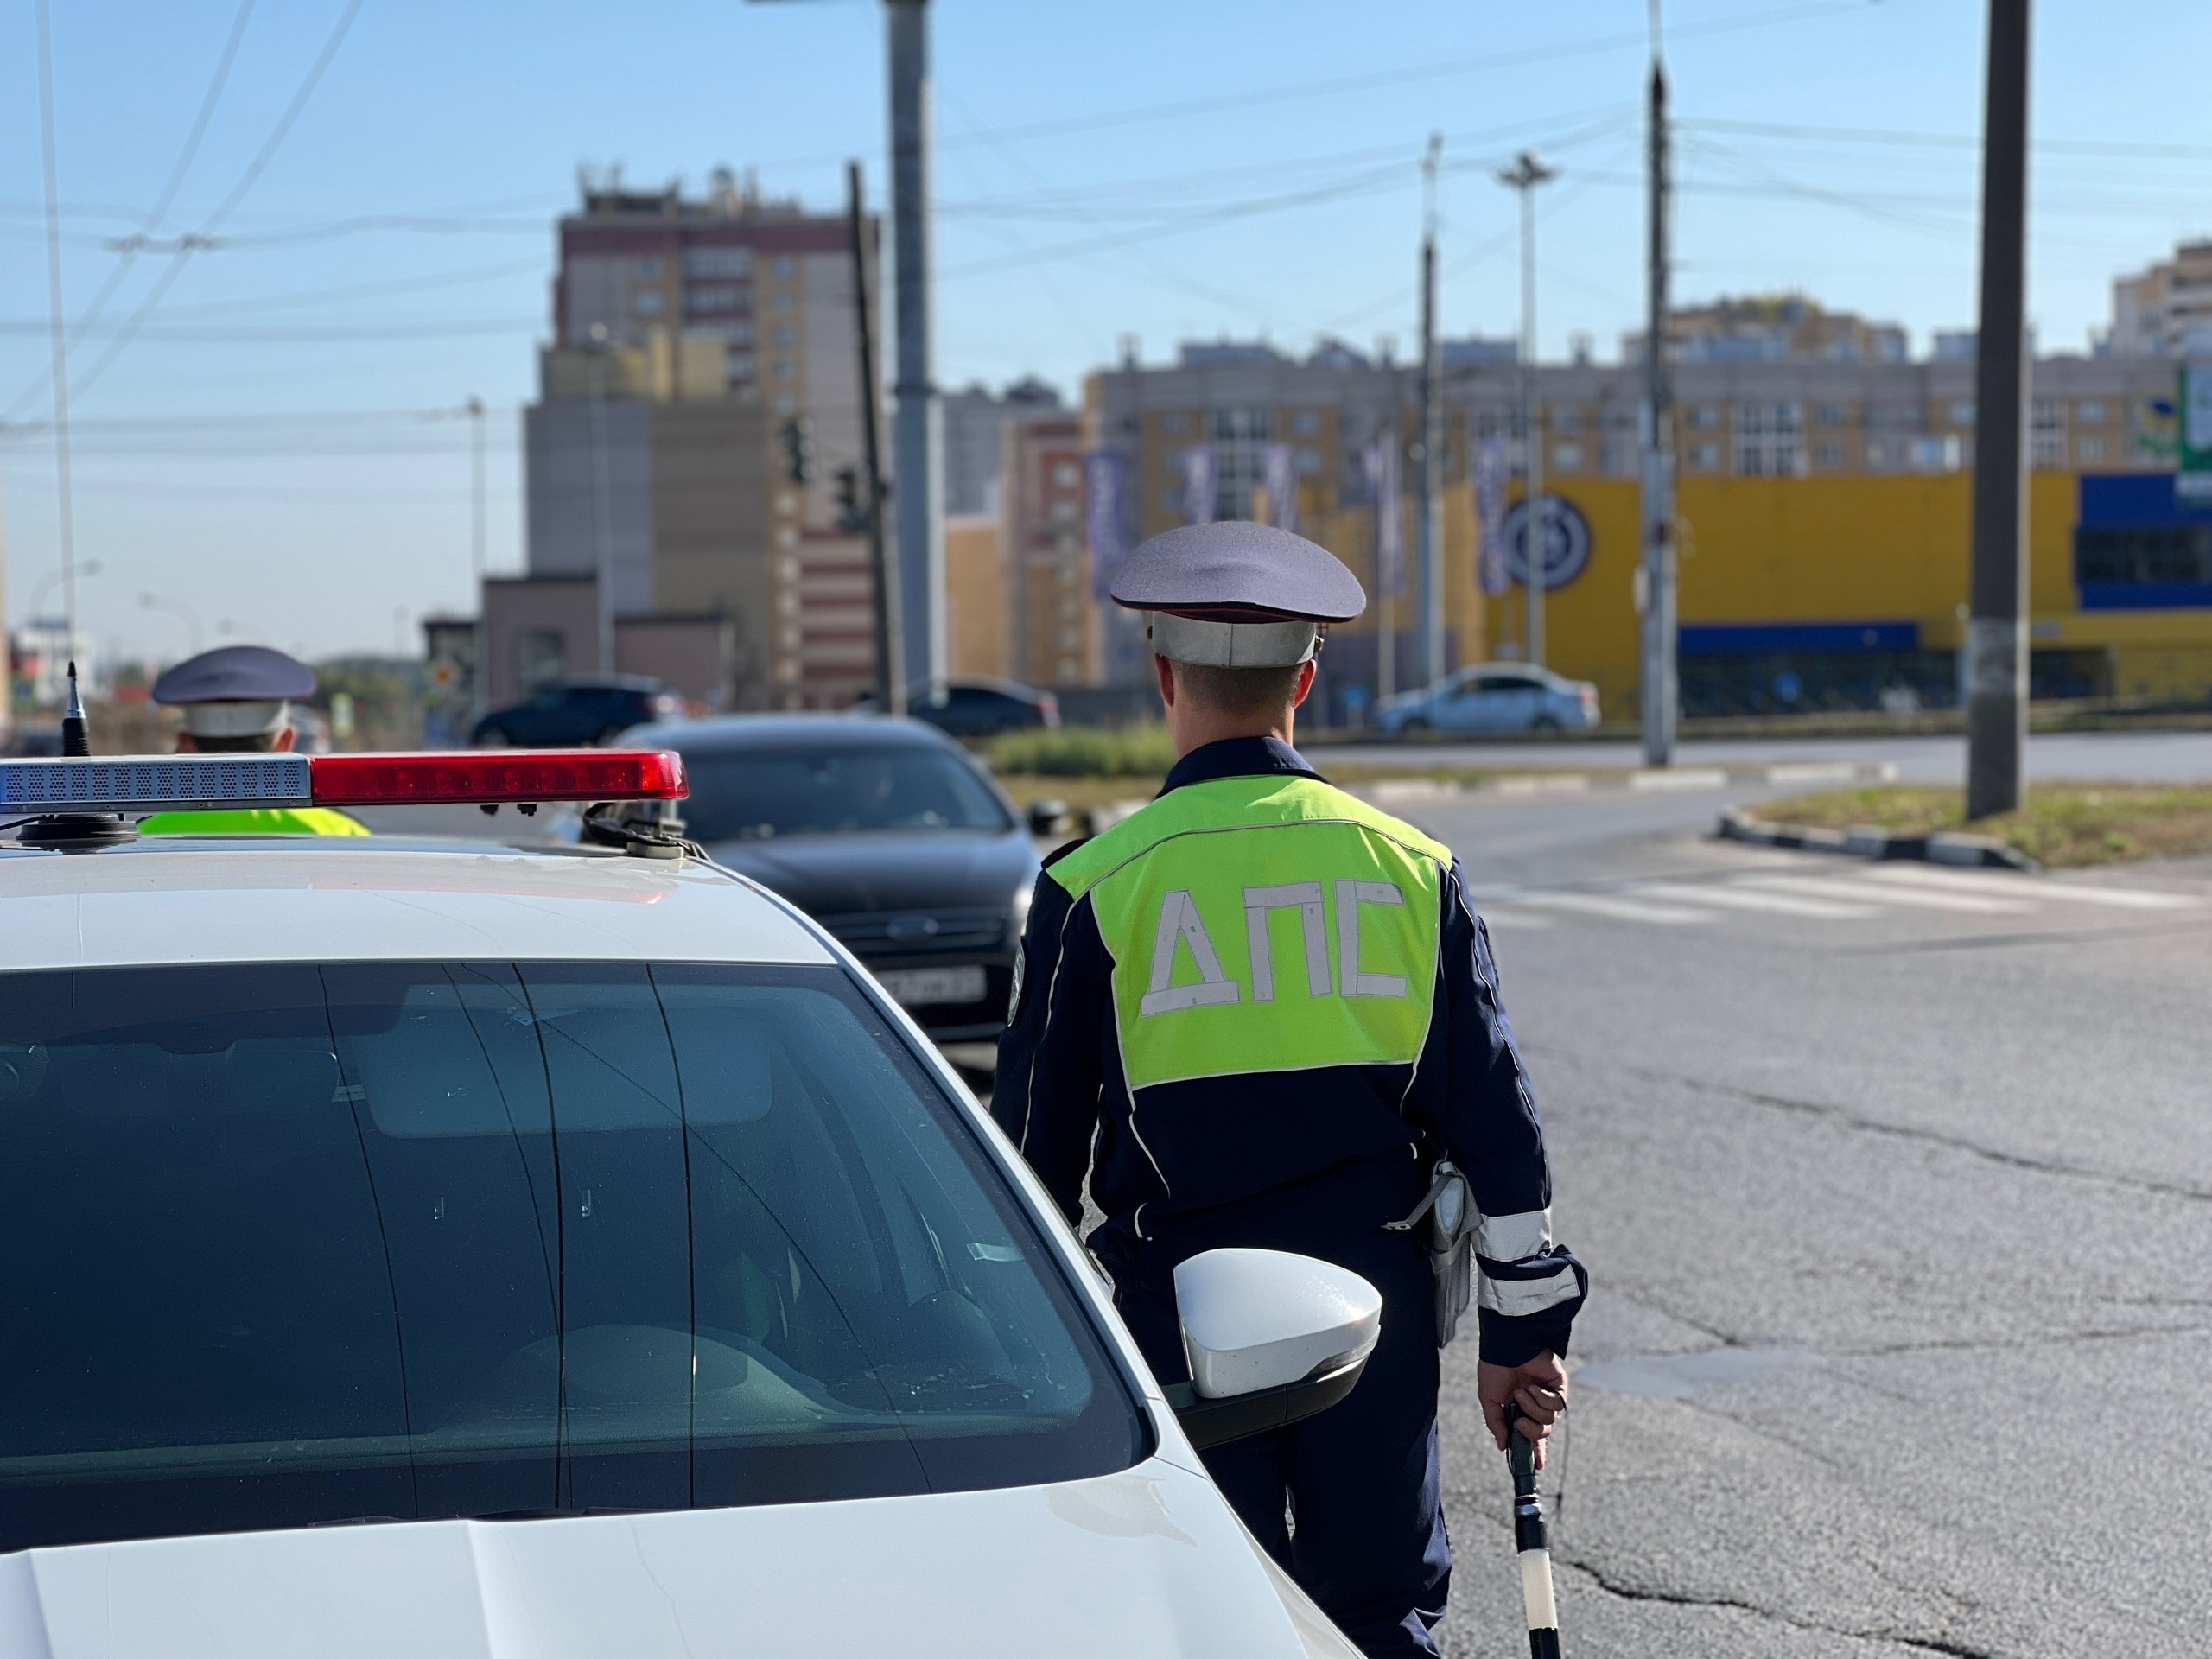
[[1876, 893], [2031, 888], [1618, 910], [1734, 897]]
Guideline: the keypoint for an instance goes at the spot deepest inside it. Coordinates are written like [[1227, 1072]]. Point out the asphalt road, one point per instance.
[[1896, 1184]]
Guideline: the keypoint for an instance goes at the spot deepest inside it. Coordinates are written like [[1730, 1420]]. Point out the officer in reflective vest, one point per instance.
[[1259, 1012], [237, 701]]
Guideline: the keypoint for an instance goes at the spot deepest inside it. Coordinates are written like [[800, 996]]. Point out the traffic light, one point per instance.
[[798, 435], [851, 515]]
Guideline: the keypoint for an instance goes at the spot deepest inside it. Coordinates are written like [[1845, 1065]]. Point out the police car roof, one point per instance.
[[306, 900]]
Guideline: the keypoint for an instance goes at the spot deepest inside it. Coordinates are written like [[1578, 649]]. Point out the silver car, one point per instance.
[[1492, 699]]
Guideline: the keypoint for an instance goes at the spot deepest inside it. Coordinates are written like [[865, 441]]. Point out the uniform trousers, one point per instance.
[[1349, 1501]]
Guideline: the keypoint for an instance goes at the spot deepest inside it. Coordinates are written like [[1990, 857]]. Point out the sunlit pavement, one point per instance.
[[1897, 1184]]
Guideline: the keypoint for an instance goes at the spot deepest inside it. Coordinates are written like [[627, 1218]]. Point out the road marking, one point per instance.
[[1734, 897], [1618, 910], [2031, 888], [1878, 893]]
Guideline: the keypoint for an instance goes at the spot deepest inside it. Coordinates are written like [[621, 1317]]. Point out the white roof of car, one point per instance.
[[354, 900]]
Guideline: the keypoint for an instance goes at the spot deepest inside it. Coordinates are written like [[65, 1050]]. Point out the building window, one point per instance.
[[2047, 451], [716, 296], [1174, 423], [1833, 415], [1171, 500], [1229, 424], [783, 267], [540, 658], [2048, 415], [647, 301], [1306, 423], [782, 301], [1878, 453], [1567, 457], [718, 262], [741, 366], [1705, 416], [785, 404], [2090, 449], [1827, 455], [1962, 412], [1309, 463], [2090, 411], [1067, 473], [785, 369], [1705, 456], [648, 270], [1567, 420], [1064, 510]]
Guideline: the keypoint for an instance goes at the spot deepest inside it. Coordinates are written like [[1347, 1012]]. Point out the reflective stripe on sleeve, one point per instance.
[[1518, 1298], [1514, 1238]]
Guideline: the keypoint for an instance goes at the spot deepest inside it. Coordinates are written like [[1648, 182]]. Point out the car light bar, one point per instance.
[[210, 782]]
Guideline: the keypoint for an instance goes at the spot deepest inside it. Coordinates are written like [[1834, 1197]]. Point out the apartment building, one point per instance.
[[692, 338], [2166, 310], [1825, 488]]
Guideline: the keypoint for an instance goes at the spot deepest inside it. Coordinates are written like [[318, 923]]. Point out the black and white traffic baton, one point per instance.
[[1530, 1539]]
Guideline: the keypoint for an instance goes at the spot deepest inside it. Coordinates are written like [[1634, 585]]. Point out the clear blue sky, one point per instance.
[[266, 449]]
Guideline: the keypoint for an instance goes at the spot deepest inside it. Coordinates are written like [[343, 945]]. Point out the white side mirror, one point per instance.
[[1271, 1337]]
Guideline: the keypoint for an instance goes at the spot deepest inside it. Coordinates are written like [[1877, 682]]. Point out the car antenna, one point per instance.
[[76, 736], [76, 832]]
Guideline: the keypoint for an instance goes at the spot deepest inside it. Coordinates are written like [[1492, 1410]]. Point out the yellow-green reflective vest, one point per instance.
[[255, 820], [1264, 924]]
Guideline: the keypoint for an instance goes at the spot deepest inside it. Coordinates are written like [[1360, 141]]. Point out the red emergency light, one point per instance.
[[517, 775]]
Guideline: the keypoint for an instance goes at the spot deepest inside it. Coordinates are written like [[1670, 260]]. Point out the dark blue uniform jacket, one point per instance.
[[1345, 1142]]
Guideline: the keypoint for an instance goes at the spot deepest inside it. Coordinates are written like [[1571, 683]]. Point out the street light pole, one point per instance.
[[1528, 172], [890, 621], [1997, 643], [918, 441], [1431, 602]]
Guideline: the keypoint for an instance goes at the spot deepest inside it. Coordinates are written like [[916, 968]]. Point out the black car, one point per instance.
[[886, 832], [980, 708], [572, 713]]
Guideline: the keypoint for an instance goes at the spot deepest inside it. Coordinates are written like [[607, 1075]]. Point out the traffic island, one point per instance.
[[2062, 825]]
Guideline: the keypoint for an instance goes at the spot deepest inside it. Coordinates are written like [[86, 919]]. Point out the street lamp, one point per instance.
[[89, 567], [1528, 172]]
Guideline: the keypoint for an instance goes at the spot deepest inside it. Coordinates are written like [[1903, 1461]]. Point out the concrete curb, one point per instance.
[[1944, 846], [1395, 792]]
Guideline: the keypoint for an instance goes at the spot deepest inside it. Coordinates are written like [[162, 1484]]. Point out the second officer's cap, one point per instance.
[[1236, 595], [235, 690]]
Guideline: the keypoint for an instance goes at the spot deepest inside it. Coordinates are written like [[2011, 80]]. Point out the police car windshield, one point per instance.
[[754, 794], [290, 1246]]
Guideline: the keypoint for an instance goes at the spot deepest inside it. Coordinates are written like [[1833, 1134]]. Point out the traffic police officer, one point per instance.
[[236, 701], [1259, 1012]]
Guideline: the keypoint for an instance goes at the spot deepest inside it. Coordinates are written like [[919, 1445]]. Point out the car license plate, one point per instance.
[[922, 988]]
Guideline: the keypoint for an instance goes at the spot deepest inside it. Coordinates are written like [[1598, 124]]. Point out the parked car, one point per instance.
[[980, 708], [571, 714], [445, 1249], [887, 833], [1493, 699]]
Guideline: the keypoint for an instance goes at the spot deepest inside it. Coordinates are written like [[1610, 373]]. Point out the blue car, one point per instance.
[[1493, 699]]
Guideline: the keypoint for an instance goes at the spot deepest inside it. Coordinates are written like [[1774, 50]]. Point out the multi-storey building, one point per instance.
[[2166, 311], [1774, 329], [1052, 614], [696, 344], [1824, 499]]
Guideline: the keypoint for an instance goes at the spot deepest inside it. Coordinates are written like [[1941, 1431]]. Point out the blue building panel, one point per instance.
[[1793, 638], [2144, 596], [2119, 499]]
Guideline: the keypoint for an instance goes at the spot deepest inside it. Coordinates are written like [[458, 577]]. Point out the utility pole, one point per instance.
[[1996, 642], [1528, 172], [1661, 690], [890, 641], [478, 698], [1431, 603], [918, 457], [595, 349]]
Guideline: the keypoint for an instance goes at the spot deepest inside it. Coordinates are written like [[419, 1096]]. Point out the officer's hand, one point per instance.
[[1539, 1388]]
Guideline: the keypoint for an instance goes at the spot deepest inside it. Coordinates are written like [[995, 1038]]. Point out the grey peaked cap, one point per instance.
[[1238, 572]]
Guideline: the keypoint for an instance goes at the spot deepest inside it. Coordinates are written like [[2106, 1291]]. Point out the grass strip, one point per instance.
[[2061, 824]]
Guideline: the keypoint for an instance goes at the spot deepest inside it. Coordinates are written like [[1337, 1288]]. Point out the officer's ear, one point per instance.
[[1305, 683], [1166, 670], [285, 740]]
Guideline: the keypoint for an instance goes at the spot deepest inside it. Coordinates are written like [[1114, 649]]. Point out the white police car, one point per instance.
[[441, 1250]]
